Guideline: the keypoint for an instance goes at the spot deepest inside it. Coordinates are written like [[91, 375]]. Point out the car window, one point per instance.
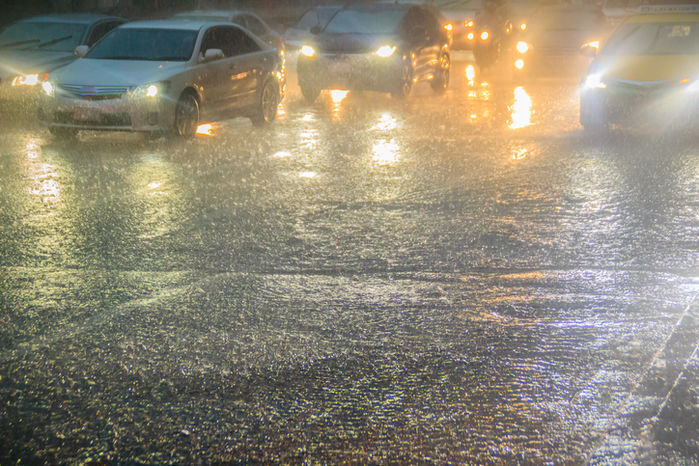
[[100, 30], [231, 40], [254, 25], [43, 35], [145, 44], [654, 39]]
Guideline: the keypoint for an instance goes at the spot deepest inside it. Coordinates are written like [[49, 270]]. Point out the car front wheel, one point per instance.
[[186, 116]]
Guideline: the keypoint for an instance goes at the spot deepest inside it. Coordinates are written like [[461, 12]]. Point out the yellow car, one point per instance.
[[646, 73]]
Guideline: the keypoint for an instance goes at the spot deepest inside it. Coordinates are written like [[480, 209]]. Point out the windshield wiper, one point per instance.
[[21, 42], [54, 41]]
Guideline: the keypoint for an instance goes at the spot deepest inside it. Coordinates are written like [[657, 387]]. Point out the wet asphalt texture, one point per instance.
[[463, 278]]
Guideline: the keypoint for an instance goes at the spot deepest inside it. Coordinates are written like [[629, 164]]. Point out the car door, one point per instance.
[[216, 77], [419, 37], [248, 66]]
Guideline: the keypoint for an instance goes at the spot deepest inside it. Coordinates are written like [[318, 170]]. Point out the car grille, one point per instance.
[[108, 119], [94, 92]]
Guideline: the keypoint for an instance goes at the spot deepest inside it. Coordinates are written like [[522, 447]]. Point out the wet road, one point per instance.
[[460, 278]]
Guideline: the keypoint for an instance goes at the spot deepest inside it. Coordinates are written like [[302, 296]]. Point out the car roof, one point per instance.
[[217, 13], [664, 18], [81, 18], [187, 25]]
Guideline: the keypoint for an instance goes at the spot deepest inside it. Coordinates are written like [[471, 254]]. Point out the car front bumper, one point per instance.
[[126, 113], [618, 105], [365, 71]]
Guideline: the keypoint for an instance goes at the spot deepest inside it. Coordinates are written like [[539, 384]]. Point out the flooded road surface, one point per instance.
[[462, 278]]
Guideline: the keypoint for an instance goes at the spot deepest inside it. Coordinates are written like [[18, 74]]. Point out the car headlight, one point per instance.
[[308, 51], [522, 47], [26, 80], [592, 44], [594, 81], [150, 91], [48, 88], [692, 85], [469, 23], [485, 35], [385, 51], [522, 26]]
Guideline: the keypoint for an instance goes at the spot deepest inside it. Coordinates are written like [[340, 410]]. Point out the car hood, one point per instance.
[[95, 72], [650, 68], [16, 61], [352, 43]]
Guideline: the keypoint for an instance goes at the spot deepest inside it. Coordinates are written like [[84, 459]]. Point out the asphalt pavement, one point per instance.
[[463, 278]]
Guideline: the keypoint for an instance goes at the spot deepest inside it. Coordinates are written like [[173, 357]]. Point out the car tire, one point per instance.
[[60, 132], [186, 116], [405, 81], [310, 92], [440, 81], [268, 102]]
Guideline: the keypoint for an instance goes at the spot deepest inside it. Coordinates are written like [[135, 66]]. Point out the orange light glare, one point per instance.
[[523, 26], [468, 24], [207, 129], [470, 36], [519, 64], [685, 81], [448, 27], [338, 95], [485, 35]]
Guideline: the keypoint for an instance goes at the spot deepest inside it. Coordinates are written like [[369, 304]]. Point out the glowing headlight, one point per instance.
[[386, 51], [594, 81], [593, 43], [522, 46], [519, 64], [523, 26], [26, 80], [469, 23], [485, 35], [308, 51], [150, 90], [47, 87], [470, 36], [448, 27]]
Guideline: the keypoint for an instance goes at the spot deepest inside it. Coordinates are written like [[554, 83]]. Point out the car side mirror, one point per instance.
[[589, 51], [315, 29], [212, 54], [81, 50]]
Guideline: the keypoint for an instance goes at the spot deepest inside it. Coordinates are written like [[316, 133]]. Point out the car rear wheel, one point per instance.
[[63, 133], [186, 116], [267, 105], [440, 81], [310, 92], [405, 81]]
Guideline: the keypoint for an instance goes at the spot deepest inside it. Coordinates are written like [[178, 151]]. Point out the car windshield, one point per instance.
[[316, 17], [145, 44], [567, 20], [458, 4], [369, 21], [654, 39], [42, 35]]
